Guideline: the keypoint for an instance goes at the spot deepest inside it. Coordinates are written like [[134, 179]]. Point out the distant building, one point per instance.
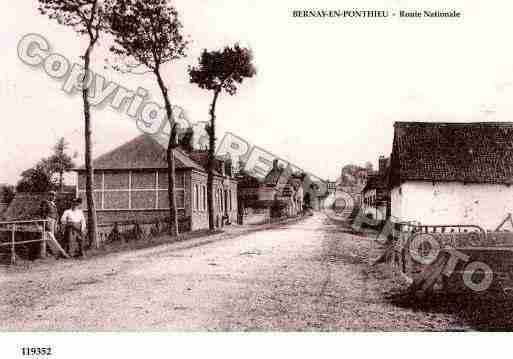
[[288, 188], [250, 190], [279, 192], [452, 173], [351, 182], [316, 193], [375, 194], [131, 184], [332, 186]]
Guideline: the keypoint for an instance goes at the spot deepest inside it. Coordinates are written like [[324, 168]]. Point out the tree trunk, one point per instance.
[[91, 208], [61, 181], [173, 217], [211, 157]]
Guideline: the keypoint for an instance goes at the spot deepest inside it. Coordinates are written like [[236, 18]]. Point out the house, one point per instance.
[[452, 173], [131, 185], [349, 187], [288, 189], [254, 198], [316, 193], [279, 192], [375, 194], [332, 186]]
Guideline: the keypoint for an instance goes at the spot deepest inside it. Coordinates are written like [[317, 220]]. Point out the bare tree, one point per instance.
[[217, 71], [147, 33], [86, 17]]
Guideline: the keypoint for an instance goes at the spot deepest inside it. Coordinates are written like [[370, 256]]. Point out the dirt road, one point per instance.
[[310, 275]]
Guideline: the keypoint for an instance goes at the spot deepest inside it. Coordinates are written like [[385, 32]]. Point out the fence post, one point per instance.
[[13, 253], [42, 252]]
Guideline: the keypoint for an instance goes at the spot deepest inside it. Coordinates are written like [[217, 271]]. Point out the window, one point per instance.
[[204, 197], [200, 198], [180, 199], [196, 197]]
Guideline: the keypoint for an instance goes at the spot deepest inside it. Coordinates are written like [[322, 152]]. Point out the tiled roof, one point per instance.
[[467, 152], [143, 152]]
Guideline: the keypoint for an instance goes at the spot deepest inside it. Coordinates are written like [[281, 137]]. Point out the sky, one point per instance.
[[326, 94]]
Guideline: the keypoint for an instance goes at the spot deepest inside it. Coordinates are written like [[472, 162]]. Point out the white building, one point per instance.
[[452, 173], [375, 194]]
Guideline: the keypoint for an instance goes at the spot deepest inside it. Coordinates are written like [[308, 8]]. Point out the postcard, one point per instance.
[[172, 169]]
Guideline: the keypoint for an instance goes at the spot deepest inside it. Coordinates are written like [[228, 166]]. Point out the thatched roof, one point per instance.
[[26, 206], [478, 152]]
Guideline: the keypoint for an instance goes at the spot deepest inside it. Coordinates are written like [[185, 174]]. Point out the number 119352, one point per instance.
[[36, 351]]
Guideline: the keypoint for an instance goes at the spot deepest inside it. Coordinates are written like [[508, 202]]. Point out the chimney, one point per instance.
[[275, 164], [382, 164]]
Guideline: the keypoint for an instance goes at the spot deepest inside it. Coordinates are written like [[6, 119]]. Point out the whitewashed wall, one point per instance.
[[452, 203]]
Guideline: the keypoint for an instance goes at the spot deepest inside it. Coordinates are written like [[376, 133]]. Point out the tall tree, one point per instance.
[[86, 17], [217, 71], [148, 34], [60, 161]]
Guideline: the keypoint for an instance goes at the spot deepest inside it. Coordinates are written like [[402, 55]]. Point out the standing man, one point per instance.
[[50, 213], [74, 224]]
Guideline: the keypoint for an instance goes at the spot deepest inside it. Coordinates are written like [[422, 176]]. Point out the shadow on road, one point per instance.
[[485, 312]]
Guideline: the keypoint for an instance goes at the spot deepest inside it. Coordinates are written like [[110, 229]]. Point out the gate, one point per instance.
[[8, 231]]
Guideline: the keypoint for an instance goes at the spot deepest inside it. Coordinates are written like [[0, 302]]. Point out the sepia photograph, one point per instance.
[[172, 170]]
